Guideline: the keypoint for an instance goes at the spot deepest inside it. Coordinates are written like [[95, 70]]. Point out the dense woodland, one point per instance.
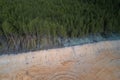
[[39, 24]]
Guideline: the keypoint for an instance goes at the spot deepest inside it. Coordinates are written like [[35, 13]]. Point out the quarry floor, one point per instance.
[[96, 61]]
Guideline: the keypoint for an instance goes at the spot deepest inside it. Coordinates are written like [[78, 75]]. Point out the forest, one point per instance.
[[38, 24]]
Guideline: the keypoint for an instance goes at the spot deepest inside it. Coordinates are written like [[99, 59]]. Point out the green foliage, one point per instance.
[[31, 20]]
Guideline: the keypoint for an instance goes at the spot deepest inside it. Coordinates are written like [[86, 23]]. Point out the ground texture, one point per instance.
[[98, 61]]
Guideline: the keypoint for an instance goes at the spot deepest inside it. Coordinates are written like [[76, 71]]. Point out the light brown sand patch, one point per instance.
[[61, 64]]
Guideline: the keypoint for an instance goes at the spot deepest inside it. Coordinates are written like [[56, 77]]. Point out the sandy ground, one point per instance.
[[98, 61]]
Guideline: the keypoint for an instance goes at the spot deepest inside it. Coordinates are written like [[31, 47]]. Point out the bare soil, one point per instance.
[[98, 61]]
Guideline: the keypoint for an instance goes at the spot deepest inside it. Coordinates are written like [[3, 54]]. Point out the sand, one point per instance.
[[96, 61]]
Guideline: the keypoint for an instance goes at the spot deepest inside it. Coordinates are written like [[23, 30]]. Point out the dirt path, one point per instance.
[[98, 61]]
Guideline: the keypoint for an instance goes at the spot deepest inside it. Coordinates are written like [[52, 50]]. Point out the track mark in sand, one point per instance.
[[105, 74], [70, 62], [40, 77], [64, 76], [74, 52]]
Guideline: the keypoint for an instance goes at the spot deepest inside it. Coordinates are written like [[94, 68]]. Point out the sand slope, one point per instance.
[[98, 61]]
